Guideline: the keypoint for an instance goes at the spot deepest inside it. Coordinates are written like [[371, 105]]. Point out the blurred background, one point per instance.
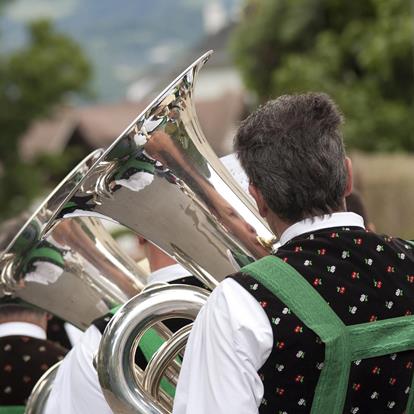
[[74, 74]]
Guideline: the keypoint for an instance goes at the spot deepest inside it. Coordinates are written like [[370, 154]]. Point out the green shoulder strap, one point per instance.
[[305, 302], [149, 344], [343, 344], [12, 409]]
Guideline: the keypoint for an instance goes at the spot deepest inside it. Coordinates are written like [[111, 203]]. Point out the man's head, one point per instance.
[[21, 313], [292, 151]]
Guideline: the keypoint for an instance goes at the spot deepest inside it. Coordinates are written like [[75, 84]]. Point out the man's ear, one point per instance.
[[349, 177], [260, 201]]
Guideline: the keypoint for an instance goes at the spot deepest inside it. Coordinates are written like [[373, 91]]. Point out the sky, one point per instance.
[[122, 38]]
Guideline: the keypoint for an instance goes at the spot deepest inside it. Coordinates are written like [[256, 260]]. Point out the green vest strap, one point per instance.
[[306, 303], [115, 309], [383, 337], [149, 344], [12, 409], [343, 344]]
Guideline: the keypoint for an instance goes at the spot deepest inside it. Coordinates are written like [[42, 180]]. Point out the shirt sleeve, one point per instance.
[[230, 341], [76, 389]]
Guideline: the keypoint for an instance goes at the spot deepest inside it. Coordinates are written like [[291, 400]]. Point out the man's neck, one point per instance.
[[158, 259], [41, 322], [279, 226]]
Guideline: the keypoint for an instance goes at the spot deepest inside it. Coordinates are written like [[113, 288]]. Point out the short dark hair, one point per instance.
[[292, 151], [19, 312]]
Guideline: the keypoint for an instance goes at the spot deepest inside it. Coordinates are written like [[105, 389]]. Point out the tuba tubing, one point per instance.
[[115, 366], [40, 393], [161, 179], [162, 359]]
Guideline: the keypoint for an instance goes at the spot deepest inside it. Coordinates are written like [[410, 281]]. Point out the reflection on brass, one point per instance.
[[161, 179], [70, 267], [268, 244]]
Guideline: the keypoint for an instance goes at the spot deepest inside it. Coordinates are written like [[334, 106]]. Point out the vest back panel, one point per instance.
[[23, 360], [364, 277]]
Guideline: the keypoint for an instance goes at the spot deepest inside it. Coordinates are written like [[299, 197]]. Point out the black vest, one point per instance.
[[56, 332], [364, 277], [23, 360]]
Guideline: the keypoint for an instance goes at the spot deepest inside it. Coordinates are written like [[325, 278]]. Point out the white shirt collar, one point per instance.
[[168, 274], [22, 329], [343, 219]]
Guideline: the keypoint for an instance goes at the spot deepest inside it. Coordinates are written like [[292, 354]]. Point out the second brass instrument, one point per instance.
[[69, 267]]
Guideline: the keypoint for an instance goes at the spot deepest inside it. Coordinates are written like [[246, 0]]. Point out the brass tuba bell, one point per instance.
[[161, 179], [72, 267]]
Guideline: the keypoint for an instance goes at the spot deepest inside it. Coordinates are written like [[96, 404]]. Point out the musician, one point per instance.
[[25, 353], [250, 351], [76, 389]]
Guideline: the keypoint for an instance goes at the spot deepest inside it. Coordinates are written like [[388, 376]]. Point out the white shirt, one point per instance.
[[76, 389], [168, 274], [22, 329], [35, 331], [232, 339]]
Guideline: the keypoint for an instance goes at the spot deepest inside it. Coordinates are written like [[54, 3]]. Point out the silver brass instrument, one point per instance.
[[161, 179], [206, 222], [40, 393], [124, 386], [72, 268]]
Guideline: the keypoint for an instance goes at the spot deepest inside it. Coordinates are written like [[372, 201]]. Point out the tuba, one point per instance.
[[190, 206], [161, 179], [40, 393], [72, 268], [126, 388]]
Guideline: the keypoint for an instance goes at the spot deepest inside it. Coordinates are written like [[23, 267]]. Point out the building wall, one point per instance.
[[386, 183]]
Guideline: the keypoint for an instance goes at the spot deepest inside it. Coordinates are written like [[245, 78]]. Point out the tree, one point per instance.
[[33, 81], [359, 52]]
